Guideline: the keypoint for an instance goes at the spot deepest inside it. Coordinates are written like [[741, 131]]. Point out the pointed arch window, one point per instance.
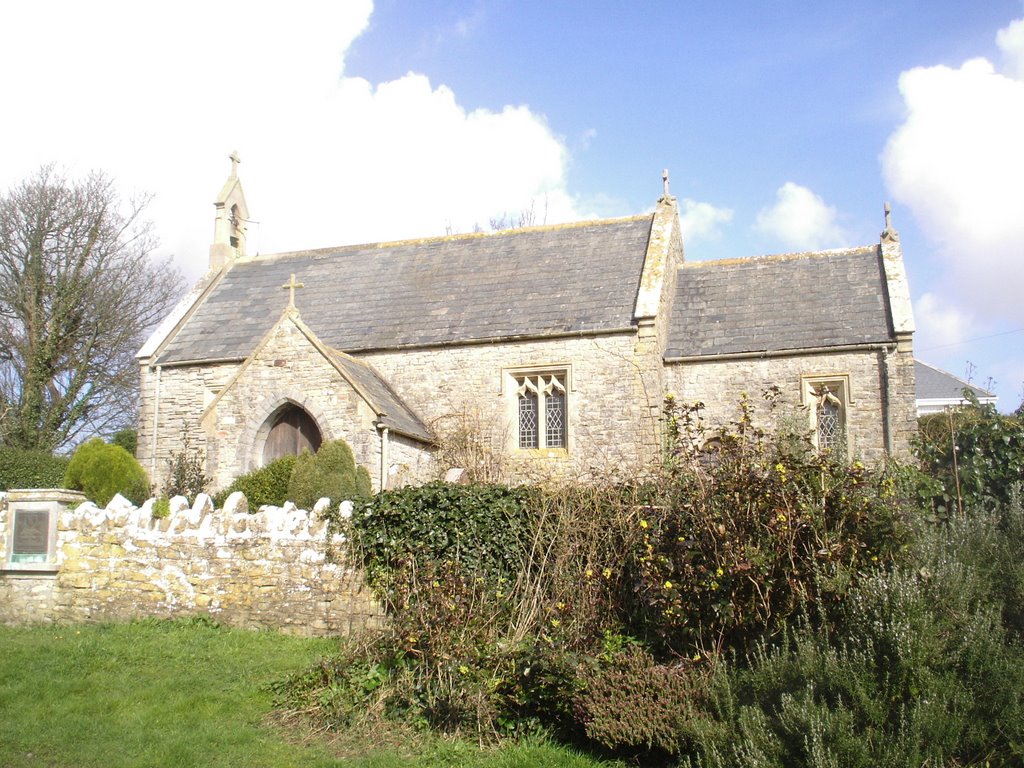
[[541, 410], [828, 404]]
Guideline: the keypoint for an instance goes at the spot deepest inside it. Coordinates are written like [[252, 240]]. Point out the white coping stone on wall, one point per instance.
[[236, 503], [322, 505], [203, 503], [289, 506], [93, 514], [296, 521], [177, 504], [119, 504], [143, 515]]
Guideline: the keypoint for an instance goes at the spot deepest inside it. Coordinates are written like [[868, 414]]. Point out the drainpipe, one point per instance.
[[156, 421], [887, 401], [383, 457]]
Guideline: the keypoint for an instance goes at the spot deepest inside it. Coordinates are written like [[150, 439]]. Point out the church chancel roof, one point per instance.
[[778, 303]]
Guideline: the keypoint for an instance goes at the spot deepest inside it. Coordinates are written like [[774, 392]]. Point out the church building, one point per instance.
[[548, 350]]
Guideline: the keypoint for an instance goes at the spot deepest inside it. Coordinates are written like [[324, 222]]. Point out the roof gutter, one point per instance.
[[875, 346], [433, 345]]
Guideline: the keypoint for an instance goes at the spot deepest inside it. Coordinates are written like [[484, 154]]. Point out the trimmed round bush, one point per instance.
[[101, 471], [330, 472], [266, 485], [20, 468]]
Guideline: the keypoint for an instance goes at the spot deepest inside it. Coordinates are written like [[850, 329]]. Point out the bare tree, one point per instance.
[[78, 289], [527, 218]]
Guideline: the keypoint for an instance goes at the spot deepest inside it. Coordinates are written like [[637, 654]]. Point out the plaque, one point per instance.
[[31, 533]]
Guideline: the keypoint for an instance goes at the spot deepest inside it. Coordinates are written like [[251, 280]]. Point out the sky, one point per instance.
[[784, 126]]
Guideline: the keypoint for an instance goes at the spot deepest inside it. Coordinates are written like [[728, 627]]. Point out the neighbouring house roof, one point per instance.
[[777, 303], [543, 281], [937, 389]]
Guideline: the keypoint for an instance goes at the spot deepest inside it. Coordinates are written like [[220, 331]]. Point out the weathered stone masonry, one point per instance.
[[266, 570]]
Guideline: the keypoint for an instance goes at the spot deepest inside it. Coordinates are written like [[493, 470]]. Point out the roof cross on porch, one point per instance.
[[290, 286]]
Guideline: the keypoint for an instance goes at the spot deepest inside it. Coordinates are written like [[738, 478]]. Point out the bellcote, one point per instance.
[[230, 220]]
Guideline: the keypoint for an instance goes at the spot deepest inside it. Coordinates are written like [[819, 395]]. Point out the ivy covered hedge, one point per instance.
[[484, 528], [20, 468]]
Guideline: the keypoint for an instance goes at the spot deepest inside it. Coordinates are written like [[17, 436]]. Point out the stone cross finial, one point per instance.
[[664, 183], [235, 160], [889, 233], [290, 286]]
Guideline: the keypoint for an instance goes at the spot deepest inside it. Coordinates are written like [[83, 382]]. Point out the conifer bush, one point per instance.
[[101, 471], [330, 472]]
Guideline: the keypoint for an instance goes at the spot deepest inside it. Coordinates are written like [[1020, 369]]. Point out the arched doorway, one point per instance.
[[291, 431]]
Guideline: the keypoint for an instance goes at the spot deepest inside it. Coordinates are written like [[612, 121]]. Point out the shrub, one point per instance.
[[330, 472], [747, 537], [266, 485], [919, 665], [632, 702], [101, 470], [20, 468], [186, 471], [161, 508]]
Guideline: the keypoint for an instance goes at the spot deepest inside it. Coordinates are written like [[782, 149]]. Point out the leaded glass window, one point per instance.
[[830, 427], [542, 414], [829, 417], [528, 419], [554, 413]]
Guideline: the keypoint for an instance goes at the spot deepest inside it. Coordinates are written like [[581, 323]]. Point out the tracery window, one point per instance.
[[830, 420], [828, 402], [541, 410]]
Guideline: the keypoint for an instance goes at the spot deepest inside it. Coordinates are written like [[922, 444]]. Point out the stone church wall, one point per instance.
[[287, 370], [267, 570], [874, 398], [609, 403], [171, 401]]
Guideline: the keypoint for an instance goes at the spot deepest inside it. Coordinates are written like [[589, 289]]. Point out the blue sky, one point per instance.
[[784, 126]]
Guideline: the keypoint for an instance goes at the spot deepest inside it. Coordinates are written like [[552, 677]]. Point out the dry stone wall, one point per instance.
[[279, 568]]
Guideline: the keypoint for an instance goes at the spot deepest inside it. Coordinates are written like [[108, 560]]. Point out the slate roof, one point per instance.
[[525, 283], [396, 414], [935, 384], [777, 303]]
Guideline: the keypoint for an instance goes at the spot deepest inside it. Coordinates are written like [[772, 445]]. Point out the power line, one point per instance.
[[976, 338]]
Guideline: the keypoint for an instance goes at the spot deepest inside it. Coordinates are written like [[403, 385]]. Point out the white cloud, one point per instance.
[[957, 162], [159, 97], [702, 220], [1010, 40], [801, 219], [940, 325]]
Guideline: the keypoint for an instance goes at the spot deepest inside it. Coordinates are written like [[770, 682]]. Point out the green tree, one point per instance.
[[78, 289]]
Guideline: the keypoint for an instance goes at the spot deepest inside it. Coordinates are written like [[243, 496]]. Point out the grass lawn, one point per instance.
[[181, 693]]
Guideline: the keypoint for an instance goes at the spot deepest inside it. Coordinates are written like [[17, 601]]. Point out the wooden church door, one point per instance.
[[293, 430]]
